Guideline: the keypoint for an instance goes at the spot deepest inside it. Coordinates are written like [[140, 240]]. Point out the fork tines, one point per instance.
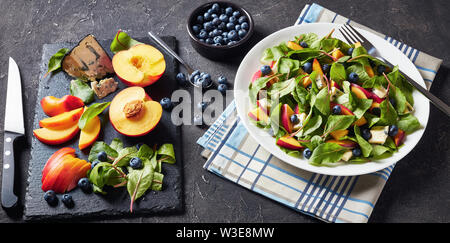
[[351, 34]]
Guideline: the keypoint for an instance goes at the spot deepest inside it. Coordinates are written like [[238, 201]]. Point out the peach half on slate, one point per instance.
[[133, 113], [141, 65]]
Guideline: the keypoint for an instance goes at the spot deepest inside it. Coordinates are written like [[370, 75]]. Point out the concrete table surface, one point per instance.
[[419, 187]]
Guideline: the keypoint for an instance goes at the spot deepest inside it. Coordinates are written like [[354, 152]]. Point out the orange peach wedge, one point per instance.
[[56, 136], [89, 133], [63, 120]]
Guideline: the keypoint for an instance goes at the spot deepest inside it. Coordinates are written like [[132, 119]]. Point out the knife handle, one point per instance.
[[9, 199]]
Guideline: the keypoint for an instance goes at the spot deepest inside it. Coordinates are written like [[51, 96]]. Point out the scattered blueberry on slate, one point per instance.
[[353, 77], [307, 153], [222, 80], [94, 163], [350, 51], [336, 110], [265, 70], [202, 105], [181, 78], [136, 163], [67, 200], [365, 133], [222, 88], [393, 130], [216, 20], [307, 67], [102, 156], [294, 119], [85, 185], [303, 44], [356, 152], [51, 198], [166, 103]]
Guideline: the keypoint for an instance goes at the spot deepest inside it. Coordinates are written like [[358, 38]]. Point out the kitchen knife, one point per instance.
[[14, 128]]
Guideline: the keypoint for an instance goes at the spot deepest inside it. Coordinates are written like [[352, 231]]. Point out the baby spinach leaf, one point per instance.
[[337, 73], [91, 112], [116, 144], [255, 87], [322, 102], [308, 38], [400, 99], [327, 153], [281, 89], [362, 107], [288, 66], [388, 114], [166, 153], [380, 151], [352, 100], [145, 152], [408, 123], [338, 122], [359, 69], [304, 55], [125, 155], [54, 64], [81, 89], [275, 118], [139, 181], [157, 181], [365, 146], [100, 146], [122, 41], [371, 119], [312, 125]]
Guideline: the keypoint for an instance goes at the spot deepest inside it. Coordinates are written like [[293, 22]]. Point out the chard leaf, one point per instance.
[[166, 153], [54, 64], [322, 102], [338, 122], [327, 153], [408, 123], [352, 100], [380, 151], [365, 146], [362, 107], [91, 112], [400, 99], [125, 155], [255, 87], [281, 89], [388, 114], [157, 181], [288, 66], [122, 41], [309, 38], [99, 146], [139, 181], [82, 90], [275, 118], [116, 144], [312, 125], [337, 73], [359, 69], [145, 152]]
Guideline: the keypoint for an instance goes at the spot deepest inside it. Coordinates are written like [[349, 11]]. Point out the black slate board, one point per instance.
[[117, 202]]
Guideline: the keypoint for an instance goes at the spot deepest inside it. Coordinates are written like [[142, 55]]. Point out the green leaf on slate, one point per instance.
[[54, 63]]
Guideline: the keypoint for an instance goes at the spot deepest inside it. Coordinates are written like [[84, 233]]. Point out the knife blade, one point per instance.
[[14, 128]]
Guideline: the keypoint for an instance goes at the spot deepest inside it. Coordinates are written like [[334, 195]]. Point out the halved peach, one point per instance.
[[133, 113], [56, 136], [294, 46], [53, 106], [63, 120], [141, 65], [289, 142], [89, 133]]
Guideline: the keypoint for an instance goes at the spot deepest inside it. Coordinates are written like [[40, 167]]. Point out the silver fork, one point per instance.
[[353, 36]]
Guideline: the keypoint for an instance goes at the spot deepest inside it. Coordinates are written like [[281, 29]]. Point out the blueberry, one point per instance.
[[209, 41], [237, 27], [196, 29], [213, 16], [203, 34], [326, 68], [218, 39], [102, 156], [210, 11], [196, 77], [245, 26], [211, 34], [307, 153], [208, 26], [223, 17], [222, 88], [206, 76], [242, 19], [166, 103], [336, 110], [94, 163], [225, 39], [376, 111], [381, 69], [350, 51], [222, 26], [67, 200], [365, 133], [136, 163], [231, 43], [392, 101], [229, 11], [85, 185], [236, 14], [353, 77], [265, 70], [307, 67], [50, 197], [202, 40], [202, 105], [294, 119], [356, 152], [232, 35], [215, 8], [216, 21], [232, 19], [181, 78], [217, 32], [222, 80], [230, 26], [200, 19], [206, 16], [393, 130], [224, 34], [303, 44], [203, 82], [242, 33]]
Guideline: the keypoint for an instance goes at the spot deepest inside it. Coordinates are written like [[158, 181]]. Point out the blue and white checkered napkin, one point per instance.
[[235, 155]]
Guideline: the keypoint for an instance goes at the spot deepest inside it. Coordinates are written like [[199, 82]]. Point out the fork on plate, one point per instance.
[[353, 36]]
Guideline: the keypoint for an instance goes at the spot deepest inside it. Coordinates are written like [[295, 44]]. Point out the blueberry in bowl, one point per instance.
[[220, 30]]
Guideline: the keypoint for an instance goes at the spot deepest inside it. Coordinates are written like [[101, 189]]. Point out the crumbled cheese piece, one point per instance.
[[380, 92], [347, 155], [105, 87], [301, 117], [379, 134]]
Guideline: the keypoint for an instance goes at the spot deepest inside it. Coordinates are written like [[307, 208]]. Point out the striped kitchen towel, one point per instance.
[[233, 154]]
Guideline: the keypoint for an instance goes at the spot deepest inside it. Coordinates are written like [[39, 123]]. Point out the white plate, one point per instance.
[[250, 64]]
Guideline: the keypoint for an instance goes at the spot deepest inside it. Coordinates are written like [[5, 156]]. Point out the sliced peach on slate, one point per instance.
[[56, 158], [286, 113], [89, 133], [133, 113], [294, 46], [63, 120], [141, 65], [53, 106], [343, 143], [78, 174], [289, 142], [53, 176], [338, 134], [56, 136], [259, 114]]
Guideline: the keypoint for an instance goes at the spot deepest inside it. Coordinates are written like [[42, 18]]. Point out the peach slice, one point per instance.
[[399, 138], [264, 105], [259, 114], [63, 120], [89, 133], [343, 143], [53, 106], [133, 113], [55, 158], [56, 136], [339, 134], [337, 54], [306, 81], [360, 92], [316, 67], [141, 65], [294, 46], [289, 142], [286, 113]]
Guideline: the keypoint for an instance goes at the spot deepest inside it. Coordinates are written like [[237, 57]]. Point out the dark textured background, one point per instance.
[[419, 187]]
